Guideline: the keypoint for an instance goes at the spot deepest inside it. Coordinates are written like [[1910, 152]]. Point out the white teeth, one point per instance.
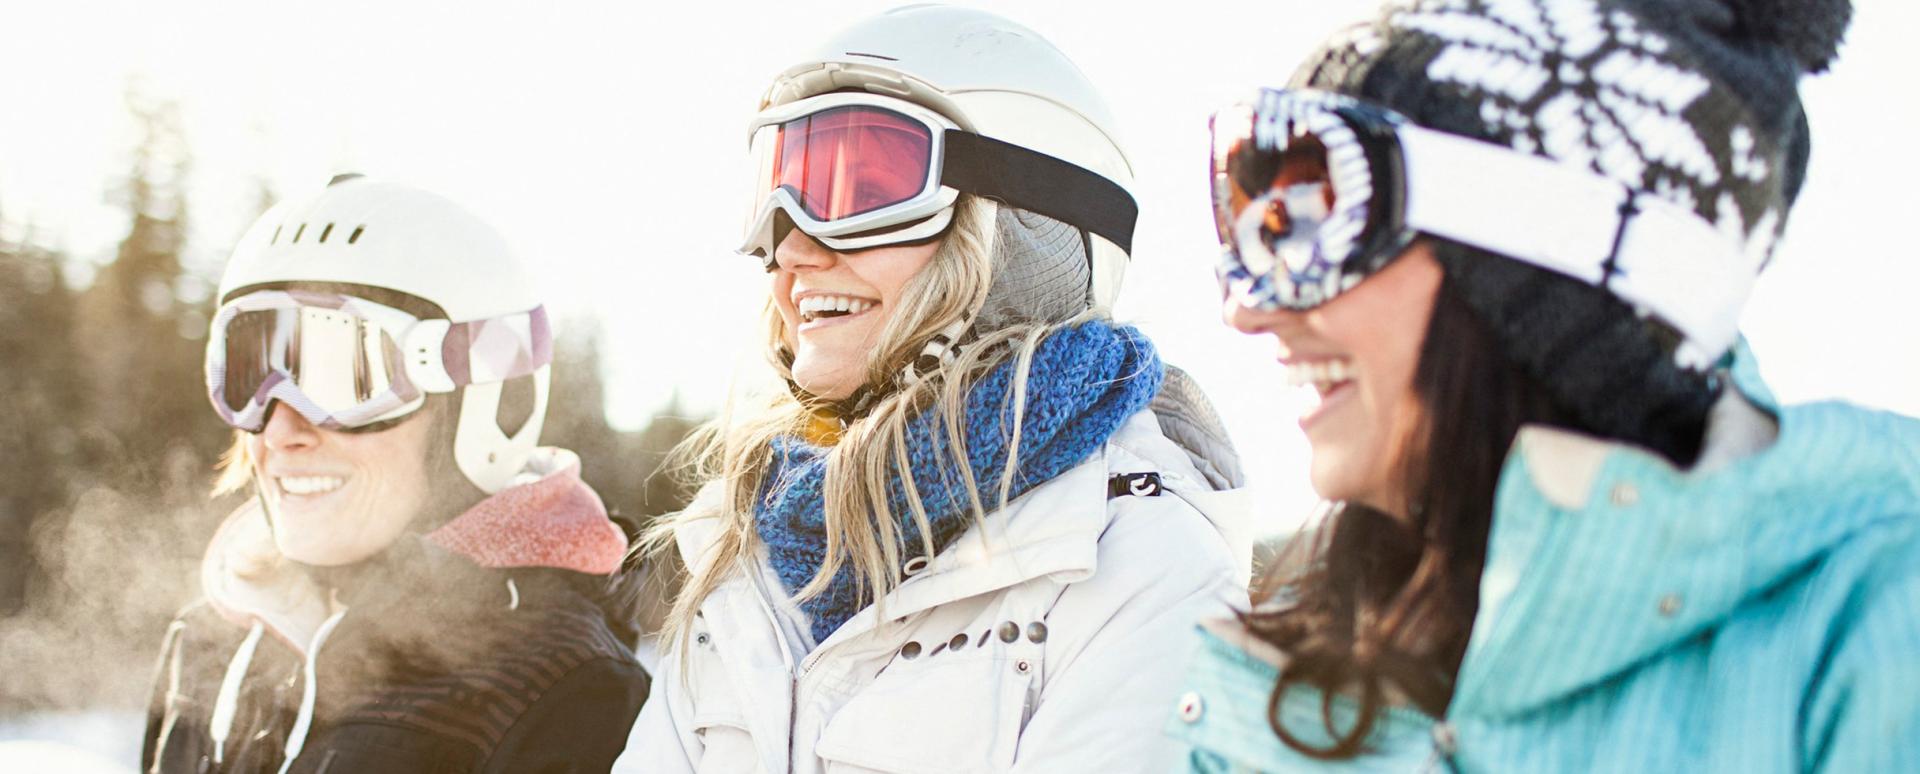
[[307, 485], [810, 307], [1323, 374]]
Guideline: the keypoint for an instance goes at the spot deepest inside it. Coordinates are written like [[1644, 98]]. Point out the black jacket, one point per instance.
[[449, 670]]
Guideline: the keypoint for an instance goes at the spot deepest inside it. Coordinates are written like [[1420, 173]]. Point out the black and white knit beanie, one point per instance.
[[1695, 101]]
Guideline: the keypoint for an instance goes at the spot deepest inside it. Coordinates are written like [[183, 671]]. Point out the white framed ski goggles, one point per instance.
[[858, 170], [348, 363], [1313, 192]]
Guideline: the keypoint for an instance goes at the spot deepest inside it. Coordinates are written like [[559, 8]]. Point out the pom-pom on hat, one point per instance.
[[1694, 101]]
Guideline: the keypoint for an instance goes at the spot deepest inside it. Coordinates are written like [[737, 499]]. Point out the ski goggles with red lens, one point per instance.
[[347, 363], [1314, 192], [857, 170]]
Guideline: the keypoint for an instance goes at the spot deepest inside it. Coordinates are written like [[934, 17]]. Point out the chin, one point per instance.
[[831, 385], [319, 553], [1333, 484]]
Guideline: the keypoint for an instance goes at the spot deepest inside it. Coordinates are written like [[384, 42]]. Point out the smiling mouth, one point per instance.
[[825, 307], [309, 486], [1325, 375]]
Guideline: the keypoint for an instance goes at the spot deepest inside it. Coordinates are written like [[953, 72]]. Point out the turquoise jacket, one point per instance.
[[1759, 613]]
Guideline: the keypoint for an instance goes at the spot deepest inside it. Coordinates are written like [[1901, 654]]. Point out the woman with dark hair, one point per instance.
[[1508, 245], [413, 584]]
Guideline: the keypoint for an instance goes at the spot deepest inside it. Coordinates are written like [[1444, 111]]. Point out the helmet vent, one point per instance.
[[276, 235], [324, 232], [298, 231], [874, 56], [355, 236]]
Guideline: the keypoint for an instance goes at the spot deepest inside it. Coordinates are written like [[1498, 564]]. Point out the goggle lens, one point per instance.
[[1297, 201], [1278, 201], [337, 360], [846, 161]]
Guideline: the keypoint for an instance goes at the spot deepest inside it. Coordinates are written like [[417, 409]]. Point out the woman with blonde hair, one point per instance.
[[413, 584], [961, 541]]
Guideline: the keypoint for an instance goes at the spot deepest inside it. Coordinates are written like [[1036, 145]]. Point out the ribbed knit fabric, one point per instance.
[[1083, 384], [1040, 271]]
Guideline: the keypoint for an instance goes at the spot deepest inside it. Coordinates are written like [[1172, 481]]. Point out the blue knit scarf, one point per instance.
[[1084, 382]]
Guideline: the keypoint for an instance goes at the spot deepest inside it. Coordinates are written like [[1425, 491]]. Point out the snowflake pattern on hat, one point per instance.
[[1584, 83]]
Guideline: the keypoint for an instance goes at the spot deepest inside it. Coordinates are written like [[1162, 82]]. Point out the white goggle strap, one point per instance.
[[1652, 253]]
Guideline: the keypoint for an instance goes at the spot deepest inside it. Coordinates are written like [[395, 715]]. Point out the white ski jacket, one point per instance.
[[1058, 648]]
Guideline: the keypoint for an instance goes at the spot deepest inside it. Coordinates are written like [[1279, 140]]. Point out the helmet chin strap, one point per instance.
[[940, 350]]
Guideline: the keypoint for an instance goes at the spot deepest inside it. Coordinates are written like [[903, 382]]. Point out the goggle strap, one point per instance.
[[497, 349], [1645, 249], [1034, 181]]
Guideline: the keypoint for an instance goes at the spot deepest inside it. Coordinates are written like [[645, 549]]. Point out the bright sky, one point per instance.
[[606, 141]]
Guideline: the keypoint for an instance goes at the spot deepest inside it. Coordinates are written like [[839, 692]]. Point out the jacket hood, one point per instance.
[[548, 518], [1593, 535]]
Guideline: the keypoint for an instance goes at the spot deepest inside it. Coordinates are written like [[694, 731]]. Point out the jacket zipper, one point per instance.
[[761, 595]]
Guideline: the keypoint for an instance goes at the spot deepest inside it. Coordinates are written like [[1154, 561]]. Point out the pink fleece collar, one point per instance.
[[555, 521]]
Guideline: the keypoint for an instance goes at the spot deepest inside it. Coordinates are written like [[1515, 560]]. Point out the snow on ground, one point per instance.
[[70, 742]]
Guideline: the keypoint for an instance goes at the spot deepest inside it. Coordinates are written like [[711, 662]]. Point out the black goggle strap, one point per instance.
[[1034, 181]]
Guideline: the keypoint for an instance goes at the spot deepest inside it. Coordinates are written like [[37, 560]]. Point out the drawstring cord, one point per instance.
[[297, 738], [227, 704], [173, 648]]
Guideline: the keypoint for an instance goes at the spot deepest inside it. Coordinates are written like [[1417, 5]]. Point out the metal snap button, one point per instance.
[[985, 637], [959, 641], [702, 638], [1037, 632], [1009, 631], [910, 651], [1625, 496], [915, 565], [1022, 667], [1669, 605], [1191, 707]]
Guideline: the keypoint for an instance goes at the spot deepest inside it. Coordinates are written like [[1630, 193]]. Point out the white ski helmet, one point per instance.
[[376, 234], [989, 75]]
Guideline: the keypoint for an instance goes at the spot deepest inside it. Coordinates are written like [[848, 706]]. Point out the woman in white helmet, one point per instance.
[[961, 541], [414, 585]]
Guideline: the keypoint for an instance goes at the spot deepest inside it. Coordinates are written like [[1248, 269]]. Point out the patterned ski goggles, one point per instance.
[[346, 363], [1314, 192], [857, 170]]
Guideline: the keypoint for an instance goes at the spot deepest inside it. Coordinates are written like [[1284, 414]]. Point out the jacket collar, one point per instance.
[[548, 517], [1603, 554]]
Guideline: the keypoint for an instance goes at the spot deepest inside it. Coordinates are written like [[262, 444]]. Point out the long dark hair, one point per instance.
[[1384, 603]]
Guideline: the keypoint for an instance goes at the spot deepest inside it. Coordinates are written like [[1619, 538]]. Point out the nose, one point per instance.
[[799, 252], [1237, 314], [287, 430]]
